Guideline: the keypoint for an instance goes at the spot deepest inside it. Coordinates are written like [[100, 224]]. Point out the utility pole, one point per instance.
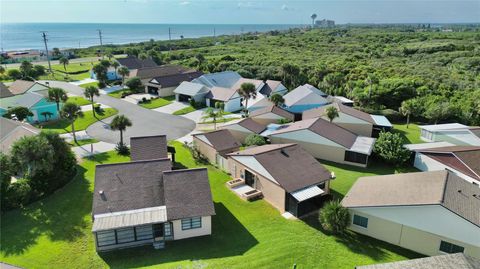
[[44, 35], [214, 34], [169, 34], [101, 43]]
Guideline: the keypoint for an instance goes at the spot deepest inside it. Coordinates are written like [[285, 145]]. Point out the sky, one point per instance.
[[239, 12]]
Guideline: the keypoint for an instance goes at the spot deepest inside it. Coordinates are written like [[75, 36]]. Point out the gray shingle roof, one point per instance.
[[187, 194], [148, 147], [252, 125], [175, 79], [21, 86], [221, 140], [190, 88], [450, 261], [322, 111], [135, 63], [4, 92], [272, 109]]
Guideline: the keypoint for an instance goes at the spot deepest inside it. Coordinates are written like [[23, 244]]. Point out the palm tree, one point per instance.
[[247, 90], [109, 55], [71, 112], [26, 68], [214, 114], [313, 17], [332, 113], [407, 108], [57, 95], [123, 71], [277, 99], [334, 217], [115, 65], [64, 61], [47, 115], [120, 123], [370, 80], [90, 92]]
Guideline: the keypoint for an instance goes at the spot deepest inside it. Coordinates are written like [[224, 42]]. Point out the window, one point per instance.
[[144, 232], [360, 221], [106, 238], [355, 157], [125, 235], [192, 223], [450, 248]]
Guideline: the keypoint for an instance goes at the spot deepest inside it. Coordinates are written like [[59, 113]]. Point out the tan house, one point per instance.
[[431, 213], [271, 114], [215, 145], [324, 140], [11, 131], [354, 120], [245, 127], [289, 178]]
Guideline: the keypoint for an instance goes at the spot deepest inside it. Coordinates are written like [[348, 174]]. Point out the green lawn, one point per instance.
[[78, 100], [118, 94], [55, 233], [209, 121], [94, 84], [63, 77], [411, 135], [83, 142], [184, 110], [158, 102], [63, 126]]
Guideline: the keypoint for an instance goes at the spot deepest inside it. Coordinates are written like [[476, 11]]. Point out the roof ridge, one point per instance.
[[280, 146], [146, 136], [444, 186], [132, 162], [467, 166], [185, 170]]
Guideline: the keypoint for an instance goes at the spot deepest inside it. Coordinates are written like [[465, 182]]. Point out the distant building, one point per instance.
[[324, 23]]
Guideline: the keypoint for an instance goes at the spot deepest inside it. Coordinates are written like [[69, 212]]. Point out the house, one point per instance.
[[272, 87], [430, 213], [455, 133], [215, 145], [324, 140], [341, 100], [144, 201], [260, 101], [150, 148], [446, 261], [148, 74], [187, 91], [289, 178], [11, 131], [31, 95], [4, 92], [271, 114], [324, 23], [243, 128], [165, 85], [303, 98], [352, 119], [464, 161], [132, 62]]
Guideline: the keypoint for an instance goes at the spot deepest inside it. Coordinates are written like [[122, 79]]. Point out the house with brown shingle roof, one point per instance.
[[289, 178], [447, 261], [324, 140], [464, 161], [271, 114], [243, 128], [431, 213], [352, 119], [215, 145], [4, 92]]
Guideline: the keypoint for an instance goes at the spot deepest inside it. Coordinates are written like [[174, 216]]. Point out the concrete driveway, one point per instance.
[[145, 121], [174, 106]]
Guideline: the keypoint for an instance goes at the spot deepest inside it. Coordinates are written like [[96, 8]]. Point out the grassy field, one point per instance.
[[80, 101], [83, 142], [158, 102], [55, 232], [118, 94], [411, 135], [64, 126], [184, 110]]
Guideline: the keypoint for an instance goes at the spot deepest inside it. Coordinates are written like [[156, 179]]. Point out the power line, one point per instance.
[[44, 35]]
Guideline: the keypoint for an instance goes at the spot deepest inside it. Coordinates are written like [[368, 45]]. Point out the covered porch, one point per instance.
[[306, 200]]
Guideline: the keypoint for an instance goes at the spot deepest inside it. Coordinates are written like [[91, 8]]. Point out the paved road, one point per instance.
[[76, 60], [145, 121]]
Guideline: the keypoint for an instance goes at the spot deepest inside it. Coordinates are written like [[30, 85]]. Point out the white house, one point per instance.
[[430, 213], [455, 133]]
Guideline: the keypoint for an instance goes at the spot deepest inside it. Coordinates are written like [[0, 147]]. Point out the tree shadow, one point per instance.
[[99, 158], [60, 216], [229, 238]]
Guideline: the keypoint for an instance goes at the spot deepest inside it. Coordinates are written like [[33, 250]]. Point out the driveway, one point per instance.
[[174, 106], [145, 122]]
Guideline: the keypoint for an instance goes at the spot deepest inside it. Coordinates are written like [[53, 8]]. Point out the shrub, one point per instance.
[[389, 147], [283, 121], [122, 149], [18, 194], [102, 84], [334, 217], [196, 154], [192, 102], [254, 140], [134, 84]]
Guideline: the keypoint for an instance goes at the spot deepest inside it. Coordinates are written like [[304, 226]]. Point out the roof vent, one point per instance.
[[100, 192], [284, 153], [459, 191], [332, 175]]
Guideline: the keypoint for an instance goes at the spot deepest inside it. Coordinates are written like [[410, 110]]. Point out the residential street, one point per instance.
[[145, 121]]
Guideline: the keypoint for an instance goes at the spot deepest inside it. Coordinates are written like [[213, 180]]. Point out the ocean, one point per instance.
[[23, 36]]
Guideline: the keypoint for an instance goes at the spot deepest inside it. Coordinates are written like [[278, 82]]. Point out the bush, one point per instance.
[[134, 84], [102, 84], [18, 194], [254, 140], [389, 147], [334, 217], [283, 121], [122, 149], [196, 154]]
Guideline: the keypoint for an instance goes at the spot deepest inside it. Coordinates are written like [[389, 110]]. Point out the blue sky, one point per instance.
[[239, 12]]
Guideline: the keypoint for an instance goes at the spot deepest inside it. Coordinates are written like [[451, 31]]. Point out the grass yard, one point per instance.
[[55, 232], [83, 142], [158, 102], [411, 134], [118, 94], [63, 126], [184, 110], [80, 101], [94, 84]]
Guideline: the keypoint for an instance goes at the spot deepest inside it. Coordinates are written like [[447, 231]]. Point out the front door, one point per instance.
[[158, 232], [249, 178]]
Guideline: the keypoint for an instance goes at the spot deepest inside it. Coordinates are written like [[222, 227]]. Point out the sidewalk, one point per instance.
[[86, 150], [81, 135]]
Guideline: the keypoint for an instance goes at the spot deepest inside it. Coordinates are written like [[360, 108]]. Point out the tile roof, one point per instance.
[[148, 147], [187, 193], [448, 261], [21, 86], [221, 140], [4, 92], [273, 109], [322, 111], [133, 62], [175, 79], [252, 125], [290, 165], [421, 188]]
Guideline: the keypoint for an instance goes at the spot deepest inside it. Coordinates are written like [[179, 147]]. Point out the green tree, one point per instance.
[[277, 99], [120, 123], [409, 107], [56, 52], [389, 147], [20, 112], [109, 55], [101, 73], [47, 115], [123, 71], [334, 217], [332, 113], [214, 114], [32, 155], [134, 84], [254, 140], [116, 65], [436, 112], [290, 74], [14, 74], [64, 61], [247, 90], [313, 17], [2, 70], [90, 92], [142, 56], [71, 111], [26, 68], [57, 95], [6, 174]]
